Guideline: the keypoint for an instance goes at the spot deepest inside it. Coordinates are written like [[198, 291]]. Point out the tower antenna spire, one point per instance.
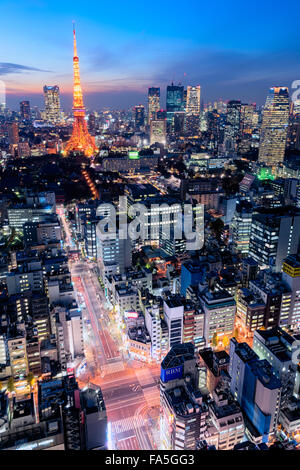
[[74, 40], [80, 140]]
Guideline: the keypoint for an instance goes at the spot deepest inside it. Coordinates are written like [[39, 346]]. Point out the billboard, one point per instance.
[[133, 155], [131, 314], [171, 374]]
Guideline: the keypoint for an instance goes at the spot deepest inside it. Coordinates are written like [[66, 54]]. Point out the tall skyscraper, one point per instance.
[[80, 140], [153, 103], [247, 124], [193, 103], [139, 116], [274, 126], [193, 100], [52, 103], [174, 102], [232, 126], [25, 110]]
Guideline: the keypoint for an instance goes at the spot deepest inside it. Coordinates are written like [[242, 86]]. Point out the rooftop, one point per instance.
[[178, 355]]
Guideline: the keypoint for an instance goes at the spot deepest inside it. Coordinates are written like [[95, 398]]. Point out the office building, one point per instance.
[[213, 368], [17, 350], [174, 103], [193, 108], [183, 418], [27, 277], [52, 103], [241, 227], [250, 311], [114, 254], [153, 103], [139, 117], [274, 126], [25, 111], [256, 389], [227, 418], [193, 103], [276, 346], [274, 235], [13, 133], [158, 131], [219, 314], [269, 288], [90, 236], [95, 418], [232, 126], [69, 334], [154, 328], [291, 276], [173, 315]]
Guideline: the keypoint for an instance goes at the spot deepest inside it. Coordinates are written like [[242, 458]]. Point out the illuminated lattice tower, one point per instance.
[[80, 140]]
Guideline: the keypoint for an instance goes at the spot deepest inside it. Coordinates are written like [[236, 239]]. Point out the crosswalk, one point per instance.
[[151, 395], [145, 377], [127, 424], [113, 367], [123, 425]]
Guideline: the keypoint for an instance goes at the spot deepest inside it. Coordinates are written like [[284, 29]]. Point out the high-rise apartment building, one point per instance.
[[52, 103], [274, 126]]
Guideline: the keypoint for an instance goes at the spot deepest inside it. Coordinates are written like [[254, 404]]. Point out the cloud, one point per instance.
[[7, 68]]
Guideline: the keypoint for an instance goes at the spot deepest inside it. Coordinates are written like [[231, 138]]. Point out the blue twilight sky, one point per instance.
[[233, 49]]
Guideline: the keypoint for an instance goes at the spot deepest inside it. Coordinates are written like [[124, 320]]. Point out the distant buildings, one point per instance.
[[25, 110], [139, 117], [188, 309], [52, 103], [232, 126]]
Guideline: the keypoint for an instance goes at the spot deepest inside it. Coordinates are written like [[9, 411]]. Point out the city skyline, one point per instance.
[[125, 51], [149, 229]]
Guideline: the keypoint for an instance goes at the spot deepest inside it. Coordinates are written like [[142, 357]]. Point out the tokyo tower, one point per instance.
[[80, 140]]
